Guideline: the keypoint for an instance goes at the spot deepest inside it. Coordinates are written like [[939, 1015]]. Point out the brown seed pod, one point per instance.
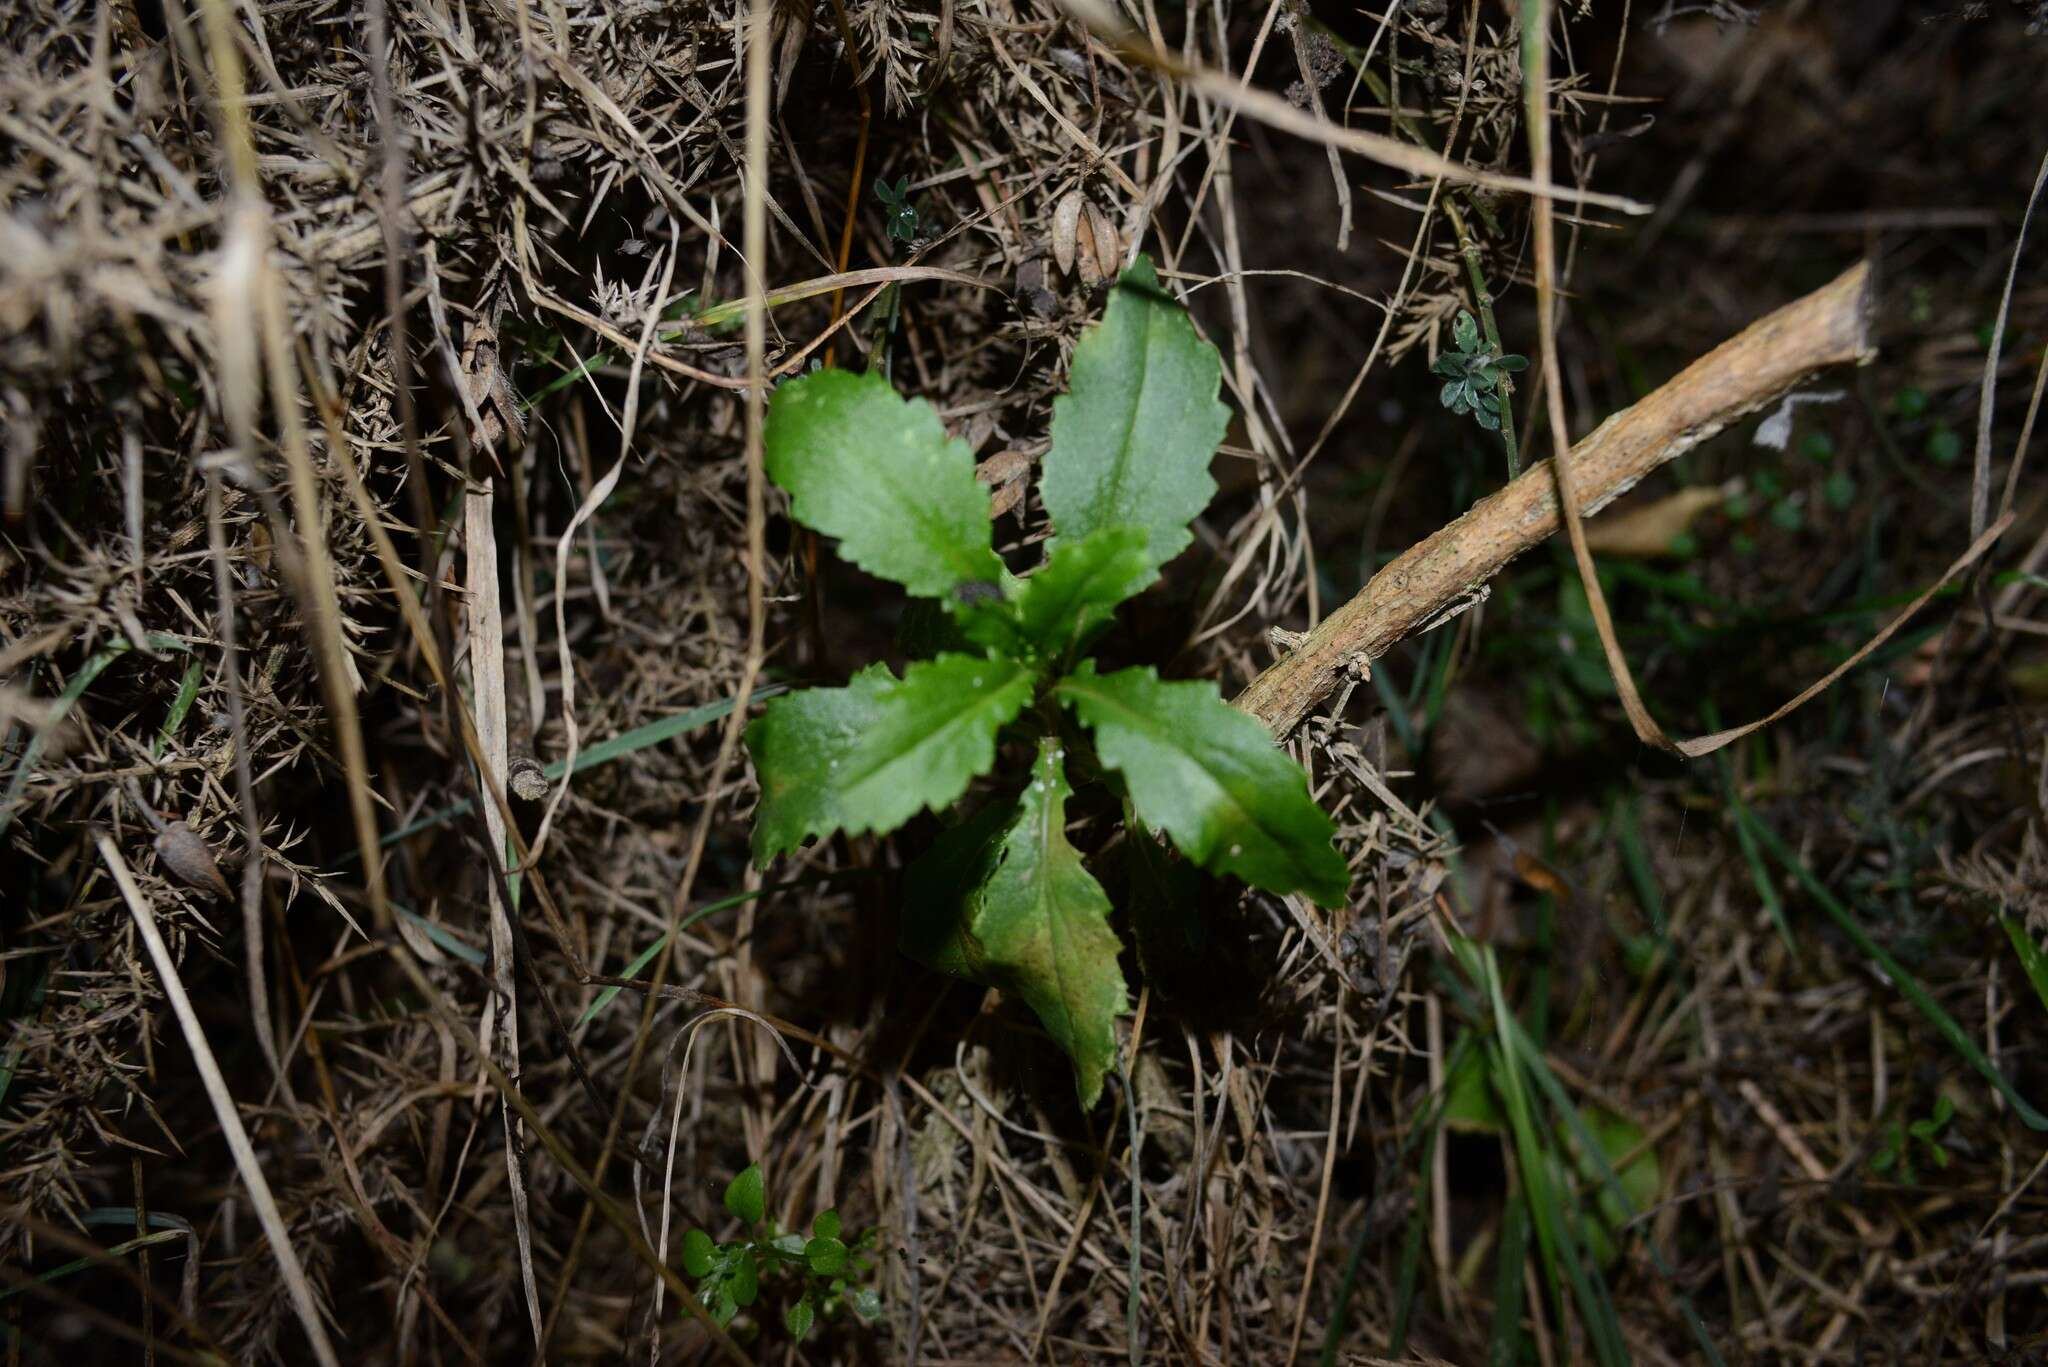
[[1066, 224], [190, 859], [1109, 247]]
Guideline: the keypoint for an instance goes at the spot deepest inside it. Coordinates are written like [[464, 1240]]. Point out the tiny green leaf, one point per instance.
[[1131, 442], [866, 1303], [799, 1318], [879, 472], [746, 1196], [1944, 446], [1076, 592], [826, 1256], [1211, 778], [719, 1300], [1465, 331], [746, 1278], [1513, 362], [826, 1226], [870, 756], [697, 1253]]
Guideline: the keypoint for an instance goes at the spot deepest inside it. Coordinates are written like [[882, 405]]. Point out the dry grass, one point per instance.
[[259, 356]]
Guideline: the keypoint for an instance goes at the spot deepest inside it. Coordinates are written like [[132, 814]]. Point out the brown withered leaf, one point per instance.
[[190, 859], [1647, 531]]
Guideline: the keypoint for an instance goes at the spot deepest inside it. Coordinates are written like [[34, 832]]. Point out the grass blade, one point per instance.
[[188, 689], [24, 767], [1554, 1232], [1908, 985], [1504, 1347], [639, 962], [2032, 958], [604, 752]]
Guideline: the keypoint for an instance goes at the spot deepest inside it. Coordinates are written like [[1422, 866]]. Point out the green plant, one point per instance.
[[1896, 1150], [903, 221], [1003, 897], [824, 1268], [1475, 377]]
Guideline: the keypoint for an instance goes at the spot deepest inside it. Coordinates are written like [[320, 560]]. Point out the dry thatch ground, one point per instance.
[[376, 373]]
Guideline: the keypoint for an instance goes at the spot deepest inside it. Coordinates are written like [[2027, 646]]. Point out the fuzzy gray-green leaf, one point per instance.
[[879, 472], [1131, 442]]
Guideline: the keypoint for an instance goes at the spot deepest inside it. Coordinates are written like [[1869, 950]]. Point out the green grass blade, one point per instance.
[[162, 1236], [443, 937], [1635, 860], [1568, 1114], [188, 689], [1408, 1276], [1759, 872], [598, 361], [1504, 1346], [1908, 985], [124, 1217], [1539, 1165], [639, 962], [604, 752], [2032, 958], [32, 752]]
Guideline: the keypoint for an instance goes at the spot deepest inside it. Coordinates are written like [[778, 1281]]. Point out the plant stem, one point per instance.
[[1505, 387]]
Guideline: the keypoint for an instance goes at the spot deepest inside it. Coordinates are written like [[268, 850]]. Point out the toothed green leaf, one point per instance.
[[1077, 591], [879, 472], [1036, 924], [1131, 443], [1211, 778], [870, 756]]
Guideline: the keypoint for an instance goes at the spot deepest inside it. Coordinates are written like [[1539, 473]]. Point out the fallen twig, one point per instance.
[[1432, 579]]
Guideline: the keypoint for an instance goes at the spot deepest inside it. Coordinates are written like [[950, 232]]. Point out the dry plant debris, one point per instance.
[[377, 388]]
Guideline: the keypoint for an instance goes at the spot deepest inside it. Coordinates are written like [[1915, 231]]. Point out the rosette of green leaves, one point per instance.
[[1473, 375], [1004, 897]]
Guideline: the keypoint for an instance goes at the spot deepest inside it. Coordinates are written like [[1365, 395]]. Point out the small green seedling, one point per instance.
[[1896, 1152], [903, 224], [1003, 897], [1475, 380], [824, 1270]]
